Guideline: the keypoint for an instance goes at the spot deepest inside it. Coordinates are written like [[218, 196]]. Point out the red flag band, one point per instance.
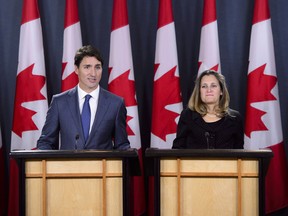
[[30, 104], [122, 82], [263, 127]]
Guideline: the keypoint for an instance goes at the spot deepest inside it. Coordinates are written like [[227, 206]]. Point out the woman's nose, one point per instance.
[[209, 88]]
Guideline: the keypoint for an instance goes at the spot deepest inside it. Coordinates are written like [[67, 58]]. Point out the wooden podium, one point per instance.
[[81, 182], [209, 182]]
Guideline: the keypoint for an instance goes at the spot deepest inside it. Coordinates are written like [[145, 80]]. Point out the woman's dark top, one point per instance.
[[194, 133]]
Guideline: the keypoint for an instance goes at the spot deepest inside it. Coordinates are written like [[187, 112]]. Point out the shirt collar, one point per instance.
[[82, 94]]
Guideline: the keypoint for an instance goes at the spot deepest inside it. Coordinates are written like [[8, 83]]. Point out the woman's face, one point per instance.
[[210, 90]]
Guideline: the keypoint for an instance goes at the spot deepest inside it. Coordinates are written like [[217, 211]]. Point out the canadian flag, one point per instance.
[[209, 55], [121, 82], [30, 105], [167, 99], [72, 41], [263, 121]]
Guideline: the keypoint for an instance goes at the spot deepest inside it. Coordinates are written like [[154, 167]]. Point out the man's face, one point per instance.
[[89, 73]]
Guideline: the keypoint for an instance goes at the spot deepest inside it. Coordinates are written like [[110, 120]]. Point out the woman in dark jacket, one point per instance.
[[208, 122]]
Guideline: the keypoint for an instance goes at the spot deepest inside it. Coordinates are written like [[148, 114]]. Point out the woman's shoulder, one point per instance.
[[188, 112], [234, 113]]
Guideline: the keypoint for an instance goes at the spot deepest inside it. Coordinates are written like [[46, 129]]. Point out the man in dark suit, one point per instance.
[[98, 123]]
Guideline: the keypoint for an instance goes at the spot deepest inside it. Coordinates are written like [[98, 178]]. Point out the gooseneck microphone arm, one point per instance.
[[76, 140], [207, 135]]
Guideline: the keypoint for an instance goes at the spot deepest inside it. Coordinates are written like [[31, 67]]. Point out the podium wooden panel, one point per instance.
[[209, 182], [76, 182]]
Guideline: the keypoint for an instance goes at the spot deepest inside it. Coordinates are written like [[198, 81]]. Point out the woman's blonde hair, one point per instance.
[[196, 104]]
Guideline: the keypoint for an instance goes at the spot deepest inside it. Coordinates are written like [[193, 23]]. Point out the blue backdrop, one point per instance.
[[234, 25]]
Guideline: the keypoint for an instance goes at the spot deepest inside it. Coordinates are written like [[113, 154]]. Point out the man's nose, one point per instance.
[[93, 71]]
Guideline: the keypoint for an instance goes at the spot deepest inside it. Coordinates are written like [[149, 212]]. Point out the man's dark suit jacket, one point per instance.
[[194, 133], [108, 130]]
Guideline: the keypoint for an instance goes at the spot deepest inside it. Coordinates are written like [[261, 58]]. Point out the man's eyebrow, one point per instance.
[[90, 65]]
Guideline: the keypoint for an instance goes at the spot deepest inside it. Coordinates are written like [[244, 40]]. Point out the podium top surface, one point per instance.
[[130, 153], [224, 153]]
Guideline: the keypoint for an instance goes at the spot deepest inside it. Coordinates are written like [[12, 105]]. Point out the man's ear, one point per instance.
[[76, 69]]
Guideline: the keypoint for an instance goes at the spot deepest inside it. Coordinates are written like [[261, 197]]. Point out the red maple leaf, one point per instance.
[[215, 68], [70, 81], [259, 90], [28, 88], [125, 88], [128, 129], [166, 92]]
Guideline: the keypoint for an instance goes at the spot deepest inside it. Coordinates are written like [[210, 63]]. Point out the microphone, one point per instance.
[[76, 140], [207, 135]]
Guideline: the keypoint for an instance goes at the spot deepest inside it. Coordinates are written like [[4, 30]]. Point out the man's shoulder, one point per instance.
[[109, 95], [65, 93]]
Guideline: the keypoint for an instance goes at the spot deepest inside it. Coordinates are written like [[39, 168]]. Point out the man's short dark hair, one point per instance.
[[87, 51]]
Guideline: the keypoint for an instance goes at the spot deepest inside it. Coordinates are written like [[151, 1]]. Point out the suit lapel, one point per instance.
[[73, 107], [103, 104]]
